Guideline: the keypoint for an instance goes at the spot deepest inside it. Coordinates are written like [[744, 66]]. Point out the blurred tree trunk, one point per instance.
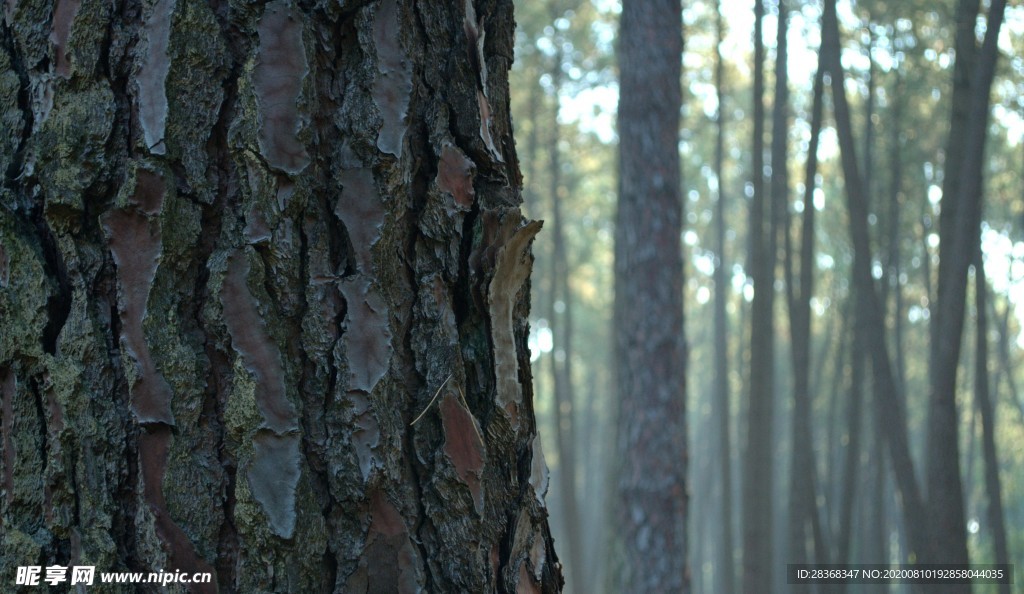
[[868, 308], [803, 507], [757, 471], [726, 573], [650, 349], [560, 319], [996, 519], [959, 227], [244, 248]]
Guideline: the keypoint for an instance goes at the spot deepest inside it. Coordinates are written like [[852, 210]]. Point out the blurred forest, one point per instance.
[[889, 423]]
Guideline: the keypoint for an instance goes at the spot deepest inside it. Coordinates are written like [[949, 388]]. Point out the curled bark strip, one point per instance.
[[280, 68], [513, 263]]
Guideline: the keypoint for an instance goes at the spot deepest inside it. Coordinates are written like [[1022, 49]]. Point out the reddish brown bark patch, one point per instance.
[[361, 210], [455, 176], [393, 86], [464, 446], [252, 342], [389, 558], [281, 65], [63, 17], [134, 240], [154, 446], [273, 478]]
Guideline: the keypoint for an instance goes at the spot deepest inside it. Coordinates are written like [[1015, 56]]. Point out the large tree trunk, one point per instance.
[[649, 342], [244, 248]]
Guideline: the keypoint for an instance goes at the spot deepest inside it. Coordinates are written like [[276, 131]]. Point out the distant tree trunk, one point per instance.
[[757, 471], [245, 247], [959, 228], [649, 343], [725, 575], [996, 520], [803, 468], [869, 309], [560, 319]]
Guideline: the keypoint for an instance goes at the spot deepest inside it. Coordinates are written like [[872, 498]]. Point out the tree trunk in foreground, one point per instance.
[[649, 343], [242, 249]]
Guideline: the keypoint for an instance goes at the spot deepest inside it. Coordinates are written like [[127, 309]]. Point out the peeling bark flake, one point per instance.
[[485, 125], [464, 446], [526, 584], [365, 433], [252, 342], [280, 68], [393, 86], [152, 101], [539, 473], [367, 337], [361, 210], [475, 34], [63, 17], [511, 269], [273, 478], [154, 447], [455, 176], [136, 247]]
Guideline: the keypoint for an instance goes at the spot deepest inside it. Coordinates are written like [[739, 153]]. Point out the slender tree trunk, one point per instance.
[[276, 260], [869, 309], [803, 471], [725, 576], [560, 319], [649, 341], [996, 520], [758, 474]]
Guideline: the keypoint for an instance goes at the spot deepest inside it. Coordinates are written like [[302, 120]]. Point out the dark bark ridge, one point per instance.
[[242, 247]]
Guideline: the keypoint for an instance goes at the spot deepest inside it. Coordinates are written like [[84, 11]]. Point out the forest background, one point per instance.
[[900, 63]]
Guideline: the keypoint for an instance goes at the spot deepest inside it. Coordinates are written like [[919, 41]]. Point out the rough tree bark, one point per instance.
[[649, 342], [243, 246]]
